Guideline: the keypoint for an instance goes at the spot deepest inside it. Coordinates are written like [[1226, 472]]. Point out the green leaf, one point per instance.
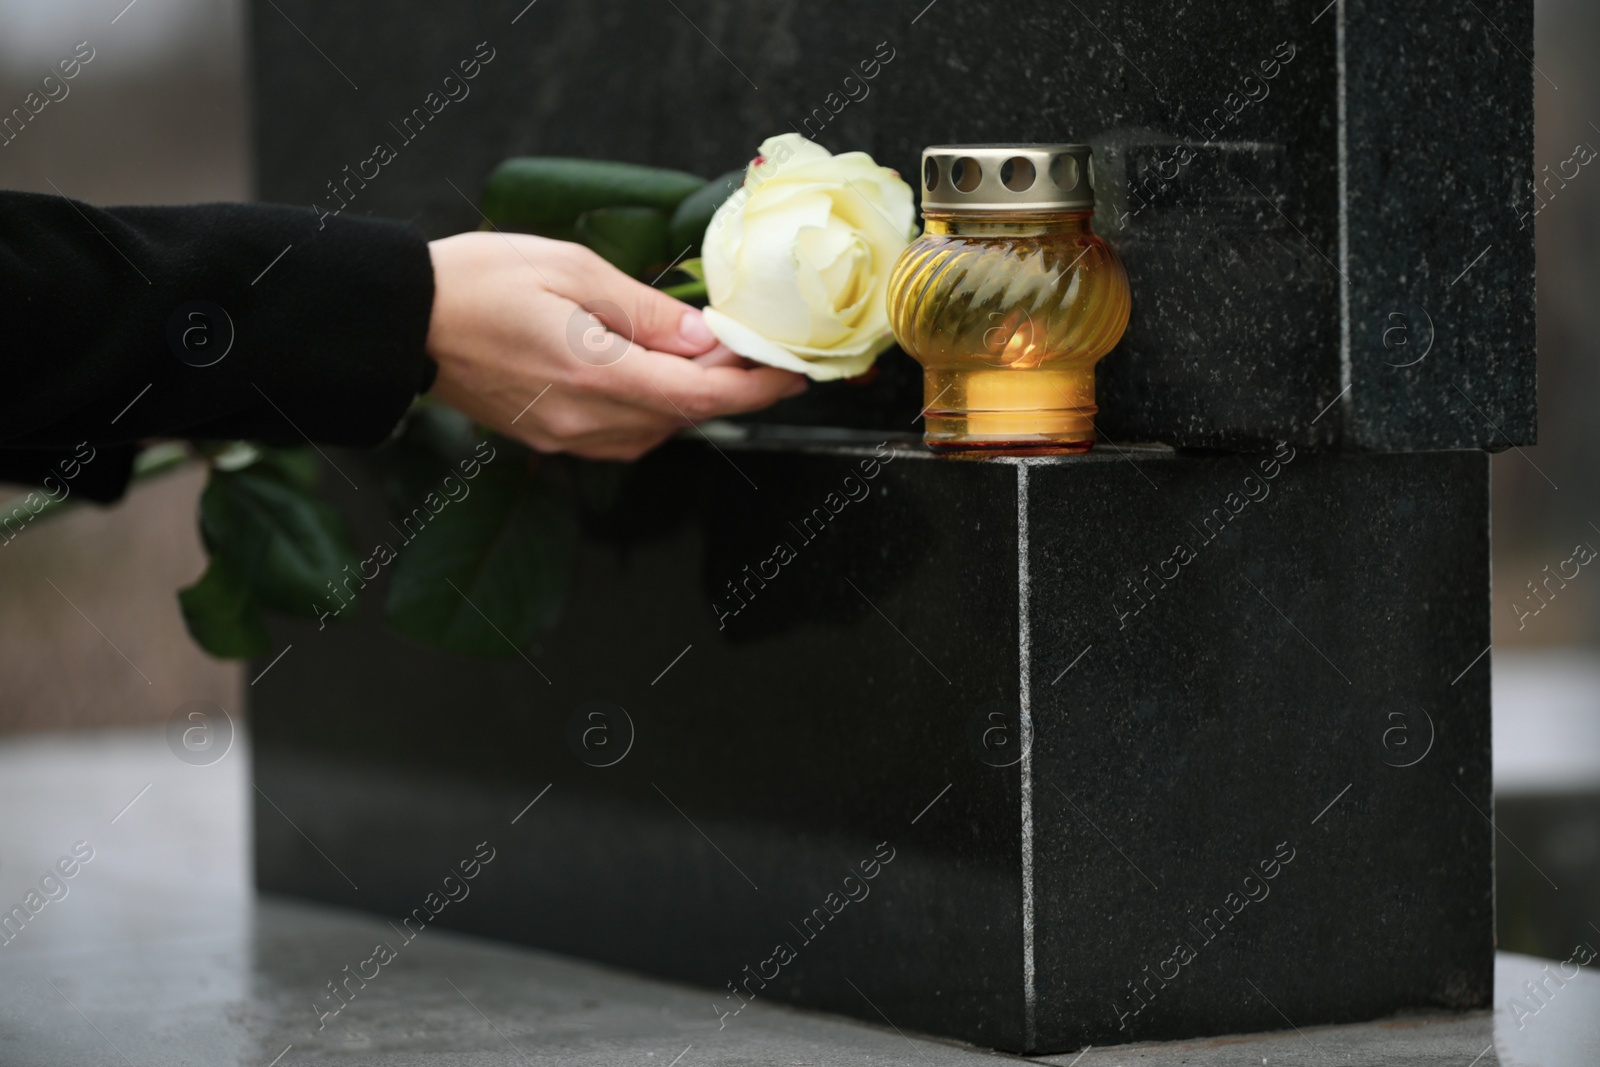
[[432, 445], [297, 467], [694, 268], [489, 571], [159, 459], [231, 455], [221, 615], [547, 194], [287, 543], [442, 431], [632, 239], [694, 213]]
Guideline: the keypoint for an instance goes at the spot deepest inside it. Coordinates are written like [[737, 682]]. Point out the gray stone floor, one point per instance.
[[160, 953]]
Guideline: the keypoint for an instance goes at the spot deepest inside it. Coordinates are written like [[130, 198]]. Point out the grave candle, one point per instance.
[[1009, 298]]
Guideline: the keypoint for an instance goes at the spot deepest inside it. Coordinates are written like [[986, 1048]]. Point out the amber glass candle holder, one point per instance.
[[1009, 298]]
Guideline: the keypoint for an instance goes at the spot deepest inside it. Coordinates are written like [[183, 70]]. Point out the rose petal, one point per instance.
[[750, 344], [764, 288]]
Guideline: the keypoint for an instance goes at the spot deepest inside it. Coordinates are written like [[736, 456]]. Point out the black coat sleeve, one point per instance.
[[213, 321]]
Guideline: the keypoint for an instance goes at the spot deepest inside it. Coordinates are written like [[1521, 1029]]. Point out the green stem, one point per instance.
[[686, 291]]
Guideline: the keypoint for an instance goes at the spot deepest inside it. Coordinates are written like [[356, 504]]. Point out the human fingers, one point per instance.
[[628, 307], [571, 419], [688, 388], [722, 356]]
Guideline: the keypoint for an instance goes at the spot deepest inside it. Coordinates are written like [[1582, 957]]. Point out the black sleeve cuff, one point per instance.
[[97, 474]]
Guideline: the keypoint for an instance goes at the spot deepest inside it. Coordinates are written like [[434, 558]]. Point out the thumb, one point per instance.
[[644, 315]]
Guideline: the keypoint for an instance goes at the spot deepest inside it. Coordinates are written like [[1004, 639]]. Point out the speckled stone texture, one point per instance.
[[1361, 218], [1083, 745]]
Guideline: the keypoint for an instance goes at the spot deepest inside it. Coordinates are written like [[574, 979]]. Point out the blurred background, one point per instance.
[[158, 116], [161, 115]]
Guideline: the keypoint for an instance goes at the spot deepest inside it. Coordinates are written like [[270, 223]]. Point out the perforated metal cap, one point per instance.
[[1008, 177]]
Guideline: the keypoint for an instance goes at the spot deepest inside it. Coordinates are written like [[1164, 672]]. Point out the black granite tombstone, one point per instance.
[[1033, 753], [1326, 207]]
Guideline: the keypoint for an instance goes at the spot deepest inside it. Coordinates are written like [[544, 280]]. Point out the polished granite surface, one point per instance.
[[1325, 207], [1199, 719], [160, 955]]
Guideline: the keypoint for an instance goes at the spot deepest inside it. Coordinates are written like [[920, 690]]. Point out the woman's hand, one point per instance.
[[546, 342]]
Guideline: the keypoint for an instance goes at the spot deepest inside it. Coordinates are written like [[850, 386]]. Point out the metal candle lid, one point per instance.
[[1007, 177]]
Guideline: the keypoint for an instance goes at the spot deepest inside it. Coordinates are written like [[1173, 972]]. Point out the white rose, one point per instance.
[[797, 261]]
